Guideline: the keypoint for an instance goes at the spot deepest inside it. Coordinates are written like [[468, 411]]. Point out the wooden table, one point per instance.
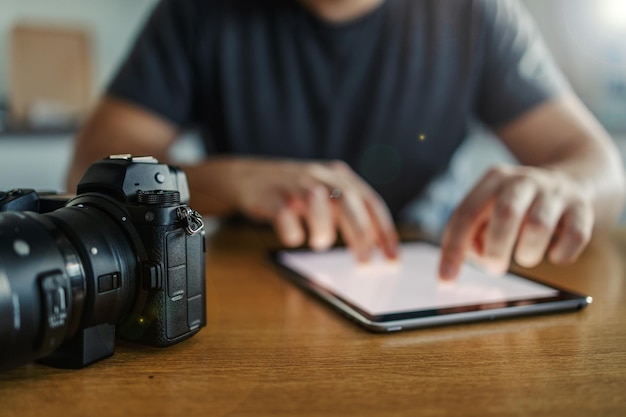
[[271, 350]]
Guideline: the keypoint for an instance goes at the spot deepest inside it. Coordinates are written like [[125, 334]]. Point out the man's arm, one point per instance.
[[292, 195], [564, 136], [118, 127], [570, 183]]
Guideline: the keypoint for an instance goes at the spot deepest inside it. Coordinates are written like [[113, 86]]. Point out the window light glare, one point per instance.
[[612, 13]]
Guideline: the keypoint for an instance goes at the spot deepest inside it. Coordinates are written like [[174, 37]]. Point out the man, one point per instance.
[[321, 116]]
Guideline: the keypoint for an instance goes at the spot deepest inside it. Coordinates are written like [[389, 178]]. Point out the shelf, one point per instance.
[[25, 133]]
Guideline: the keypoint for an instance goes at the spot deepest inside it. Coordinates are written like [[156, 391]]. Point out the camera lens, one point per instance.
[[62, 272]]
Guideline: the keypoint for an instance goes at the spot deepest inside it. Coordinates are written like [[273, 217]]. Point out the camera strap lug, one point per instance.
[[193, 219]]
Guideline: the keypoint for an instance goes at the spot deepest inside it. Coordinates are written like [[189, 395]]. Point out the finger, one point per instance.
[[461, 242], [361, 253], [366, 219], [355, 224], [266, 208], [383, 227], [289, 227], [573, 235], [462, 228], [478, 242], [386, 234], [537, 230], [319, 218], [510, 207]]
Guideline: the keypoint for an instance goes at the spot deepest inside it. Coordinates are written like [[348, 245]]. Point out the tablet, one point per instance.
[[386, 296]]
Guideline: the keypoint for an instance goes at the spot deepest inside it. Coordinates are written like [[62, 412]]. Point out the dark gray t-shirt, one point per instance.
[[392, 93]]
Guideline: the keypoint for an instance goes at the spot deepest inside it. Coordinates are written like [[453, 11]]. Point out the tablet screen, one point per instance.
[[383, 287]]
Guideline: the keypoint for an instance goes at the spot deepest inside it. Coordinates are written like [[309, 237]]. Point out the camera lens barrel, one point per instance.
[[109, 260], [116, 260], [41, 289], [62, 271]]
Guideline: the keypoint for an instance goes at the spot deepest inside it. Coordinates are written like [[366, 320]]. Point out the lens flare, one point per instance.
[[612, 14]]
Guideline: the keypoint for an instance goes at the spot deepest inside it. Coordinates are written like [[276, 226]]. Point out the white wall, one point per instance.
[[37, 162], [588, 40], [113, 24], [592, 55], [40, 162]]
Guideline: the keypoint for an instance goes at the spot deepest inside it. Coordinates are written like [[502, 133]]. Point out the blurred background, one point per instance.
[[56, 56]]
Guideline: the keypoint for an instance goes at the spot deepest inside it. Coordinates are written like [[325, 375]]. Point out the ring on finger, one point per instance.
[[335, 193]]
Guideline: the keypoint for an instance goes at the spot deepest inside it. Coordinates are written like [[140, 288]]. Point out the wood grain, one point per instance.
[[271, 350]]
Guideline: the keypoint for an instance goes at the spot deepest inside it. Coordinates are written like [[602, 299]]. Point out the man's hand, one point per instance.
[[309, 197], [524, 213]]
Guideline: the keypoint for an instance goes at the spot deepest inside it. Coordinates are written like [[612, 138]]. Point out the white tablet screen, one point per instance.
[[410, 284]]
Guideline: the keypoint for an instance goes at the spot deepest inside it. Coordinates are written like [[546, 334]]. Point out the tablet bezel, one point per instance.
[[565, 300]]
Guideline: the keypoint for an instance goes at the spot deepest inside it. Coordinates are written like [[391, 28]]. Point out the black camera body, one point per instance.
[[123, 258]]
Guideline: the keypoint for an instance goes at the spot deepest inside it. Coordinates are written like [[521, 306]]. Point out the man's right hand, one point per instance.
[[293, 195], [300, 198]]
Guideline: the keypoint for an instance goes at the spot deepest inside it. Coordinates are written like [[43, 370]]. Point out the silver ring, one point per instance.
[[335, 193]]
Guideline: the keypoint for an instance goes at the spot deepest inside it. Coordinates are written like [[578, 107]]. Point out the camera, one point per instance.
[[123, 258]]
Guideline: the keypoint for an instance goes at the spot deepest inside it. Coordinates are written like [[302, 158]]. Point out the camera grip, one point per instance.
[[176, 309]]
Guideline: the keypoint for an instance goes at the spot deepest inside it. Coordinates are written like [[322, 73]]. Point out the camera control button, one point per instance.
[[159, 177], [21, 248], [55, 300], [152, 276], [55, 308], [176, 249], [121, 156], [109, 282], [195, 312], [176, 281], [144, 159]]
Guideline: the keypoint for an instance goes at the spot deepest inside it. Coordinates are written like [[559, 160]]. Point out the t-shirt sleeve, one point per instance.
[[519, 72], [158, 73]]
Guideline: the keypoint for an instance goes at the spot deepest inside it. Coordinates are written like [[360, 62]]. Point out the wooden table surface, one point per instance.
[[271, 350]]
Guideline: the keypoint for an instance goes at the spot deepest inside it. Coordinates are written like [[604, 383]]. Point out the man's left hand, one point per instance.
[[518, 212]]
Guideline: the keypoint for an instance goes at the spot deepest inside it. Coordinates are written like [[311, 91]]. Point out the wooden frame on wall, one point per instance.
[[50, 75]]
